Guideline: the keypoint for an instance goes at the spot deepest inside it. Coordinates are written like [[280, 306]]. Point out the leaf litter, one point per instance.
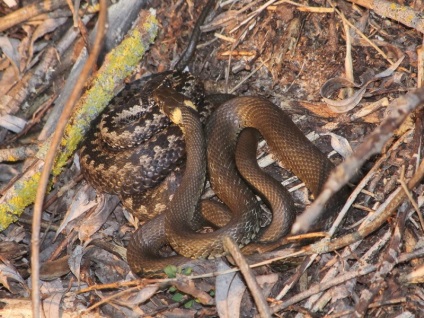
[[294, 51]]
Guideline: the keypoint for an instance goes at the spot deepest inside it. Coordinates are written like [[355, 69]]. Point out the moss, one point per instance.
[[118, 65], [25, 192]]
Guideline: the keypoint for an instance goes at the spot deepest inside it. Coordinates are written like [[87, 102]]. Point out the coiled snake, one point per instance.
[[177, 226], [132, 147]]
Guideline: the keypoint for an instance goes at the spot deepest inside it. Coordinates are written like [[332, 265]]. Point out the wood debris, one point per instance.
[[301, 57]]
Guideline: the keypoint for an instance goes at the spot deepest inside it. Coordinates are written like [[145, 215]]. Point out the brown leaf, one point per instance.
[[187, 286], [54, 269]]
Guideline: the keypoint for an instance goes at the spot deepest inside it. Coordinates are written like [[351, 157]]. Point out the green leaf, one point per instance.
[[189, 304], [178, 297], [187, 271], [170, 271], [172, 289]]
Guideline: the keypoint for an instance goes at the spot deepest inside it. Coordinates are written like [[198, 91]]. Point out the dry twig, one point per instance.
[[399, 110], [251, 282], [392, 10], [48, 162], [29, 12]]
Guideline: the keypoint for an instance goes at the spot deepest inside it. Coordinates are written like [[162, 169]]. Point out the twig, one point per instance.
[[400, 108], [251, 282], [410, 198], [341, 279], [323, 286], [402, 13], [36, 76], [362, 35], [317, 302], [385, 265], [195, 35], [248, 76], [29, 12], [373, 222], [348, 250], [253, 15], [348, 57], [420, 68], [360, 187], [295, 278], [405, 257], [113, 296], [48, 164]]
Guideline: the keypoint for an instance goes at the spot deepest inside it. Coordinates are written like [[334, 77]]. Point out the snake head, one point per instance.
[[171, 103]]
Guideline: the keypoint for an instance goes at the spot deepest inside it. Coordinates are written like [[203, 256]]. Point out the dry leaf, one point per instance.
[[75, 259], [229, 292], [267, 282], [10, 49], [82, 202], [344, 105], [51, 305], [54, 269], [47, 26], [98, 217], [340, 144], [7, 273], [141, 295]]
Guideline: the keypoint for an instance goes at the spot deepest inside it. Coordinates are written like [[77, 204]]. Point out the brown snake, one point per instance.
[[288, 145], [111, 170]]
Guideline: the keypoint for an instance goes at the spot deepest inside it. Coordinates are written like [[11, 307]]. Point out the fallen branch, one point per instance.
[[29, 12], [389, 9], [398, 111], [119, 64], [319, 287]]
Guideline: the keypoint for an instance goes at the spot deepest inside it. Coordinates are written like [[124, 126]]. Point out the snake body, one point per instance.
[[130, 161], [287, 143], [175, 227], [133, 146], [143, 251]]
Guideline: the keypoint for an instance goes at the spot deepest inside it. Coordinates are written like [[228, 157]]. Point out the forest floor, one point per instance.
[[284, 51]]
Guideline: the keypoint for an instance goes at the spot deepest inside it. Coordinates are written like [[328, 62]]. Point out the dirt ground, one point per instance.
[[297, 54]]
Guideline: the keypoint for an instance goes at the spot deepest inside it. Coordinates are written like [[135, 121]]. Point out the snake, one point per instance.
[[230, 128], [116, 157], [132, 161], [134, 134]]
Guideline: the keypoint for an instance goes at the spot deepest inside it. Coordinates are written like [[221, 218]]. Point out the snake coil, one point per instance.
[[175, 227], [133, 146]]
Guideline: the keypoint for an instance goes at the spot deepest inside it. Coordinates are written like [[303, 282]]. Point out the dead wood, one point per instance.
[[368, 264]]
